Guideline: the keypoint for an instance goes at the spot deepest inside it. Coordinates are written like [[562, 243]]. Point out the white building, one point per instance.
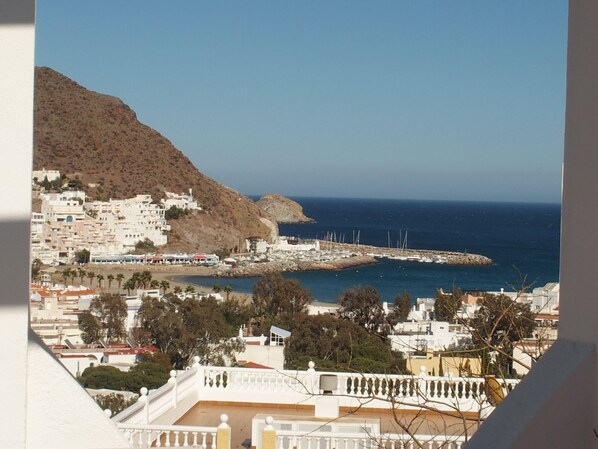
[[423, 310], [63, 207], [133, 219], [289, 244], [40, 175], [427, 336], [182, 201]]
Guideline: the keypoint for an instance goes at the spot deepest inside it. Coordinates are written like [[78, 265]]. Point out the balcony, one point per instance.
[[191, 404]]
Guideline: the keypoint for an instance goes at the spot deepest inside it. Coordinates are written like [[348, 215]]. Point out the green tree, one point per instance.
[[498, 324], [190, 289], [129, 285], [36, 266], [65, 274], [145, 278], [154, 284], [111, 310], [119, 279], [73, 275], [339, 345], [91, 276], [110, 278], [186, 328], [402, 306], [216, 288], [81, 273], [100, 278], [143, 374], [114, 402], [91, 327], [362, 306], [228, 290], [279, 298], [174, 213], [145, 246], [447, 305], [177, 290], [82, 256], [164, 285]]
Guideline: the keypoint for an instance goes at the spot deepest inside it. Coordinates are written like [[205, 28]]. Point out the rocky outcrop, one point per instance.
[[282, 209]]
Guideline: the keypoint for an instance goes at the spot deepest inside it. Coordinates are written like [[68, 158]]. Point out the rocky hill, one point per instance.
[[98, 139], [282, 209]]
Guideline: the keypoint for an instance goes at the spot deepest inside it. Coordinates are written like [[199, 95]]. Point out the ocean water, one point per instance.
[[522, 239]]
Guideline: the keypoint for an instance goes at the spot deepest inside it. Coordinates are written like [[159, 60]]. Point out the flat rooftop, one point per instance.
[[241, 414]]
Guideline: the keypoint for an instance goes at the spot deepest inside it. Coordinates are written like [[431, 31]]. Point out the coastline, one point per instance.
[[360, 255]]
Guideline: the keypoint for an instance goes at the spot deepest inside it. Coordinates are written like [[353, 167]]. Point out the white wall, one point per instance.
[[16, 132]]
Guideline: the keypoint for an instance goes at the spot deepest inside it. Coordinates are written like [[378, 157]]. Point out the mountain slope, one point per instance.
[[98, 138]]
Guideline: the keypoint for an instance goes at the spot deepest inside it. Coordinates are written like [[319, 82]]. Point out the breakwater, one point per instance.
[[413, 255]]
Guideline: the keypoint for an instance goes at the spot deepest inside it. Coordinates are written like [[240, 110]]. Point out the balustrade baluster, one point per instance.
[[328, 443], [194, 439], [139, 434], [176, 438], [308, 442], [167, 442], [148, 437], [318, 442], [203, 440], [185, 439], [280, 442], [158, 439]]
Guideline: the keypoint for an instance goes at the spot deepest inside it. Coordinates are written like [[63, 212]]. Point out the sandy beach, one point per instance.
[[169, 273]]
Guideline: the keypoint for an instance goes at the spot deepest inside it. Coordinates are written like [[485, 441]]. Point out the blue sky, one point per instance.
[[415, 99]]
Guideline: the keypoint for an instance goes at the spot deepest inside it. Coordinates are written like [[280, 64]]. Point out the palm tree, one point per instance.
[[110, 278], [91, 276], [129, 285], [190, 289], [65, 274], [216, 288], [81, 273], [227, 289], [119, 279], [164, 285], [145, 278], [177, 290], [100, 278], [154, 284], [73, 275]]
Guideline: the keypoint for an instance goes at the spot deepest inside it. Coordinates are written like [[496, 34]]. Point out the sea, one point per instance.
[[522, 239]]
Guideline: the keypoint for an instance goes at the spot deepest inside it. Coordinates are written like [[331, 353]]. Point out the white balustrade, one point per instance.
[[151, 435], [291, 387], [294, 439]]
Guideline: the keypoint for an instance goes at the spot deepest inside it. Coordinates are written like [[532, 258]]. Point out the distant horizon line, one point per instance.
[[430, 200]]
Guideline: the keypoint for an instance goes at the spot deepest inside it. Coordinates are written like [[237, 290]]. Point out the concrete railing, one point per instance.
[[352, 389], [272, 438], [266, 386], [155, 435]]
